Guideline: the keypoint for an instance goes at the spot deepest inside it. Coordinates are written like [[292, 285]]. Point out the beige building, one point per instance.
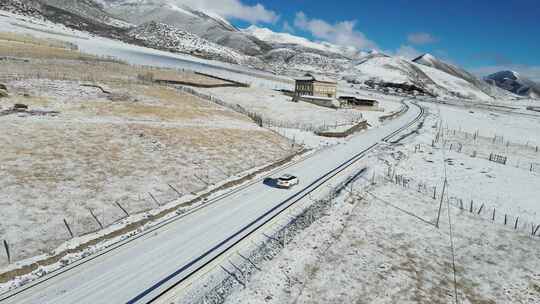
[[315, 86]]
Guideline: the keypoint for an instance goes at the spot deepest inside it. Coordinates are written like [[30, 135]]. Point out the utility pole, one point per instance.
[[440, 206]]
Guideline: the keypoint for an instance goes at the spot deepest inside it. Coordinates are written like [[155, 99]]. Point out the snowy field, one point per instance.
[[382, 248], [273, 105], [96, 153], [379, 243], [513, 127]]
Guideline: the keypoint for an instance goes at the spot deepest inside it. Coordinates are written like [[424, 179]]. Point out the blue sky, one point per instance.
[[482, 36]]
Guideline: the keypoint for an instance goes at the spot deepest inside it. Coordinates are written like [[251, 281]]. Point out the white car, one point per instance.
[[287, 181]]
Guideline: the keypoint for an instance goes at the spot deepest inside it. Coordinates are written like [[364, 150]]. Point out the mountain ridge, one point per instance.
[[515, 83], [171, 26], [432, 61]]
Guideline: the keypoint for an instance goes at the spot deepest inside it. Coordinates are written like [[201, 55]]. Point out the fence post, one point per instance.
[[505, 219], [471, 207], [123, 209], [153, 198], [68, 228], [493, 216], [8, 254], [95, 218], [516, 224], [481, 207], [440, 205], [174, 189]]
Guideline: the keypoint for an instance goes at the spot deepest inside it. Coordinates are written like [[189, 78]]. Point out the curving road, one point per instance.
[[140, 269]]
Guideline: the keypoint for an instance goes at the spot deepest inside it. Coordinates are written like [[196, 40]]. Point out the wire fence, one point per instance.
[[524, 156], [485, 210], [264, 121], [240, 267]]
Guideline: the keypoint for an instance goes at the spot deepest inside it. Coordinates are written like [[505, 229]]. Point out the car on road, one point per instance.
[[287, 181]]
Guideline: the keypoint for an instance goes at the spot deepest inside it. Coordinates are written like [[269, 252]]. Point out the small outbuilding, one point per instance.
[[357, 101]]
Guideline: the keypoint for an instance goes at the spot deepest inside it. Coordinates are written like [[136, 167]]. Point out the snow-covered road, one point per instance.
[[142, 268]]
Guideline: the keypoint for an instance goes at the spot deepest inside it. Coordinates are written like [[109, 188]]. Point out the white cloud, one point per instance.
[[235, 9], [421, 38], [288, 28], [340, 33], [407, 52], [530, 71]]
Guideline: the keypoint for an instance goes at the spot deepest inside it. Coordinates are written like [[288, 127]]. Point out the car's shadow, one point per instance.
[[270, 182]]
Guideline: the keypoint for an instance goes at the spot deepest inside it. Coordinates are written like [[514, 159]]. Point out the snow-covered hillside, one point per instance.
[[204, 24], [453, 86], [21, 7], [88, 9], [272, 37], [436, 63], [166, 37], [515, 83], [290, 61], [85, 15], [431, 61], [172, 26], [385, 71]]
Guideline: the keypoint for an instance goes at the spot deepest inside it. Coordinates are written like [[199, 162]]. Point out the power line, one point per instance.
[[451, 235]]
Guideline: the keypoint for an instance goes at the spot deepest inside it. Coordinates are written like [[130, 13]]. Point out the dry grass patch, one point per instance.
[[98, 152], [59, 60], [26, 50], [171, 75], [58, 170], [29, 39], [105, 148]]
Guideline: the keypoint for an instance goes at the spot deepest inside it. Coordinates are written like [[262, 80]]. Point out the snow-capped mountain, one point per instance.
[[171, 26], [291, 54], [292, 41], [515, 83], [21, 7], [383, 72], [431, 61], [166, 37], [206, 25], [88, 9], [489, 89], [86, 15]]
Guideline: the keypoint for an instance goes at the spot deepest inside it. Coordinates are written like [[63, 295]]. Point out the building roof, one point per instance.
[[356, 97], [319, 78], [317, 97]]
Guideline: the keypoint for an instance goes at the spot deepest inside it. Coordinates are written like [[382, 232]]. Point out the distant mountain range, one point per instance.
[[171, 26], [515, 83]]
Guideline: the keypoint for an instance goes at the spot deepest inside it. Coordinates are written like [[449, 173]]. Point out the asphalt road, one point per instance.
[[144, 267]]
